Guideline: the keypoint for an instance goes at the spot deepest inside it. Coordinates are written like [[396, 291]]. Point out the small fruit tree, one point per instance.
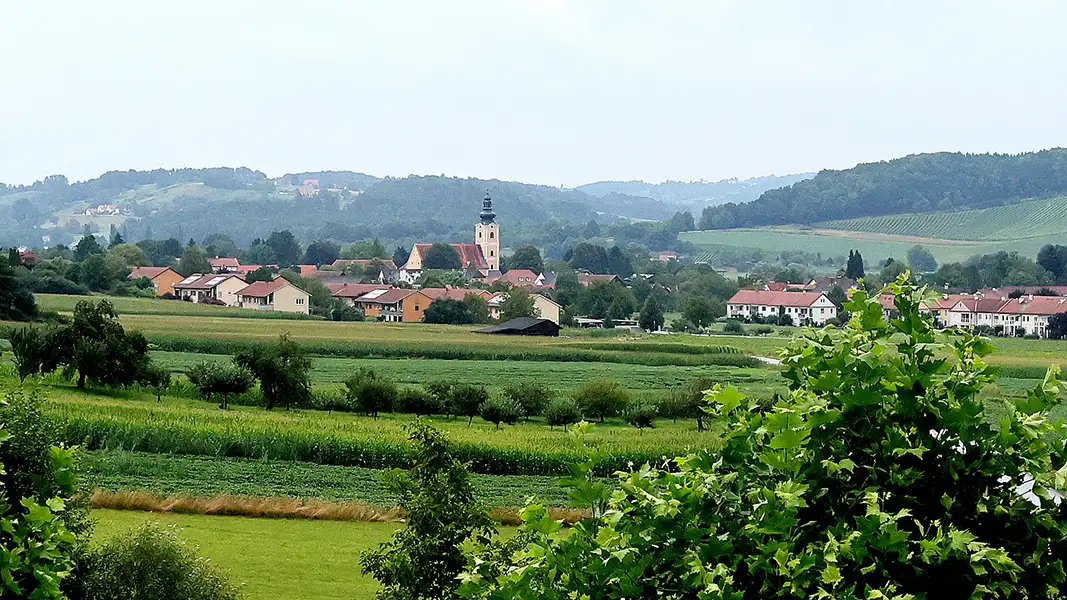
[[882, 474]]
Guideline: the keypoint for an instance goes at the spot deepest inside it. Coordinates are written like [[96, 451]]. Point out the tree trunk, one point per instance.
[[471, 421], [81, 380]]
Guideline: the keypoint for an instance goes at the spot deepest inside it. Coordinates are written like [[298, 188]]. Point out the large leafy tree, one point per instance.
[[527, 257], [87, 246], [517, 303], [651, 317], [1053, 258], [321, 252], [921, 260], [96, 346], [283, 370], [16, 299], [194, 260], [441, 256], [285, 247], [448, 311], [882, 474]]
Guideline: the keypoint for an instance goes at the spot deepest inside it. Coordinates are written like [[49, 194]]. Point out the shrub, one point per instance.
[[29, 345], [418, 402], [371, 393], [155, 377], [283, 370], [500, 409], [442, 393], [467, 400], [562, 412], [601, 399], [734, 326], [532, 397], [763, 330], [331, 400], [150, 563], [424, 559], [222, 379], [640, 414], [785, 319]]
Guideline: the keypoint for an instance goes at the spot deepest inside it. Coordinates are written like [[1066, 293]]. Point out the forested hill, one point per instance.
[[245, 204], [695, 194], [918, 183]]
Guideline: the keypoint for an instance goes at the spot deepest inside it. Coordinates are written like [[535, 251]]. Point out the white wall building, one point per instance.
[[805, 308]]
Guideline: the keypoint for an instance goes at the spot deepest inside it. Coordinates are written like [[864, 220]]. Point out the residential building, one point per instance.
[[547, 280], [805, 308], [277, 294], [588, 279], [212, 287], [225, 264], [516, 277], [393, 305], [452, 293], [822, 283], [349, 292], [666, 256], [163, 278], [544, 308]]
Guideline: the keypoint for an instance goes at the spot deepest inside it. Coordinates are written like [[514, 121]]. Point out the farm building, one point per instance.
[[524, 326]]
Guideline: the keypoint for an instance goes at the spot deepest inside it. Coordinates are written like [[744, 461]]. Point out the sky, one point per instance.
[[540, 91]]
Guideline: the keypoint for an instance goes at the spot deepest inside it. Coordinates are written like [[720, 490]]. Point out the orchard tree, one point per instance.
[[283, 370], [879, 475], [701, 312]]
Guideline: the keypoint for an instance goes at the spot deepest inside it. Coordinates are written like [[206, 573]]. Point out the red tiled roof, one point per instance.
[[389, 296], [469, 255], [224, 261], [768, 298], [306, 270], [587, 278], [262, 289], [516, 277], [354, 290], [149, 272], [776, 286], [1038, 305]]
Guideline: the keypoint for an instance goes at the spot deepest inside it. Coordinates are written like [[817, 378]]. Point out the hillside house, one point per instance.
[[805, 308], [201, 288], [544, 308], [163, 278], [277, 294]]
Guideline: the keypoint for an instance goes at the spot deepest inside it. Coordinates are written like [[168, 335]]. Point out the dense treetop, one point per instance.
[[917, 183]]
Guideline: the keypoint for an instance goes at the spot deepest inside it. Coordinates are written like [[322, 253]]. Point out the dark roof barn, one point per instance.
[[523, 326]]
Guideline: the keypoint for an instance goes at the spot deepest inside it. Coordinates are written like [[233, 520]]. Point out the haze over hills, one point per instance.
[[696, 194]]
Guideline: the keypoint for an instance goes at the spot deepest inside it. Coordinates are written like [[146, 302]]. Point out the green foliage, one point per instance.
[[441, 256], [425, 558], [466, 400], [734, 327], [220, 379], [321, 252], [150, 563], [285, 248], [500, 409], [261, 274], [602, 399], [533, 398], [478, 308], [418, 402], [16, 298], [39, 516], [30, 348], [921, 260], [527, 257], [603, 299], [878, 476], [517, 303], [155, 377], [687, 402], [96, 346], [700, 311], [370, 392], [854, 266], [449, 312], [194, 260], [1053, 258], [562, 412], [283, 370], [86, 247], [641, 414], [651, 318]]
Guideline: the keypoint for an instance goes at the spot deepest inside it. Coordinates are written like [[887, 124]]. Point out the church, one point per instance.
[[477, 260]]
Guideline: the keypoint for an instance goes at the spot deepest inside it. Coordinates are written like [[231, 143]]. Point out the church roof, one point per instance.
[[470, 255]]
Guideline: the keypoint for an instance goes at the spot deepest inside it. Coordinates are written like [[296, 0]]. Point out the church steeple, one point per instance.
[[487, 215]]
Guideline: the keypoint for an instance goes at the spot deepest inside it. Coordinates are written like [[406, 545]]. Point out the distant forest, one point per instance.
[[919, 183], [695, 194]]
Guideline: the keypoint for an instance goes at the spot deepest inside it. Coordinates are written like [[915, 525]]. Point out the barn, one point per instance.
[[523, 326]]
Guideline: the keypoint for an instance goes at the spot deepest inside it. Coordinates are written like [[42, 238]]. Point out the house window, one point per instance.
[[416, 307], [299, 300]]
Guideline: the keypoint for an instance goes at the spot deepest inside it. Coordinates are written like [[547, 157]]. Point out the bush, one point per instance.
[[734, 326], [785, 320], [762, 330], [532, 397], [641, 414], [331, 400], [371, 393], [601, 399], [500, 409], [562, 412], [467, 400], [442, 393], [418, 402], [150, 563]]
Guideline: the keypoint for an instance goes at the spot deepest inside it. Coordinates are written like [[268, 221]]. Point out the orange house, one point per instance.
[[163, 278], [393, 305]]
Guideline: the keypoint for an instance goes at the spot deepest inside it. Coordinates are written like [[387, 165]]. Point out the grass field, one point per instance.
[[1034, 218], [156, 306], [272, 558]]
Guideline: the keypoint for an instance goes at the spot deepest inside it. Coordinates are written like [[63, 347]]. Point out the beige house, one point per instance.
[[208, 288], [279, 295], [544, 308]]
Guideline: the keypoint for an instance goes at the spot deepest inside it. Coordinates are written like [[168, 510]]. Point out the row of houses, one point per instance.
[[228, 289], [402, 305]]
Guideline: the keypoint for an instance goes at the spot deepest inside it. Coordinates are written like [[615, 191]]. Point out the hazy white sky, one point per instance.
[[542, 91]]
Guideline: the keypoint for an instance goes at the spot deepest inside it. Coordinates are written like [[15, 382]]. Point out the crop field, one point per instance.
[[272, 558], [1034, 218]]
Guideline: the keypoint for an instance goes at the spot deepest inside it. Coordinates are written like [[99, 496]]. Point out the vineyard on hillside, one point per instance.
[[1033, 218]]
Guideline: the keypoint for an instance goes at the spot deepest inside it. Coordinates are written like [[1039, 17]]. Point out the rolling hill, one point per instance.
[[695, 195]]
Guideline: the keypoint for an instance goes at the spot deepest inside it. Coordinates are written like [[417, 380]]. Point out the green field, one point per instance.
[[156, 306], [272, 558], [1030, 219]]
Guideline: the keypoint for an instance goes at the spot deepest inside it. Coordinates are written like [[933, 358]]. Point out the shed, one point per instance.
[[523, 326]]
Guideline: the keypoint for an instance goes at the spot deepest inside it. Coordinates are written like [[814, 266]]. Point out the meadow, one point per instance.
[[272, 558]]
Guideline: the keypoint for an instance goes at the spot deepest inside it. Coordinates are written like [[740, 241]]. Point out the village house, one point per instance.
[[393, 305], [516, 277], [349, 292], [211, 287], [224, 264], [544, 308], [805, 308], [452, 293], [277, 294], [163, 278], [588, 279]]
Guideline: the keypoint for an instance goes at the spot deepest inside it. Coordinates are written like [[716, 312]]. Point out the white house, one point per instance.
[[805, 308], [200, 288]]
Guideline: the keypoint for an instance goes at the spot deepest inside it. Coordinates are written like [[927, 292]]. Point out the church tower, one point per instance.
[[487, 234]]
